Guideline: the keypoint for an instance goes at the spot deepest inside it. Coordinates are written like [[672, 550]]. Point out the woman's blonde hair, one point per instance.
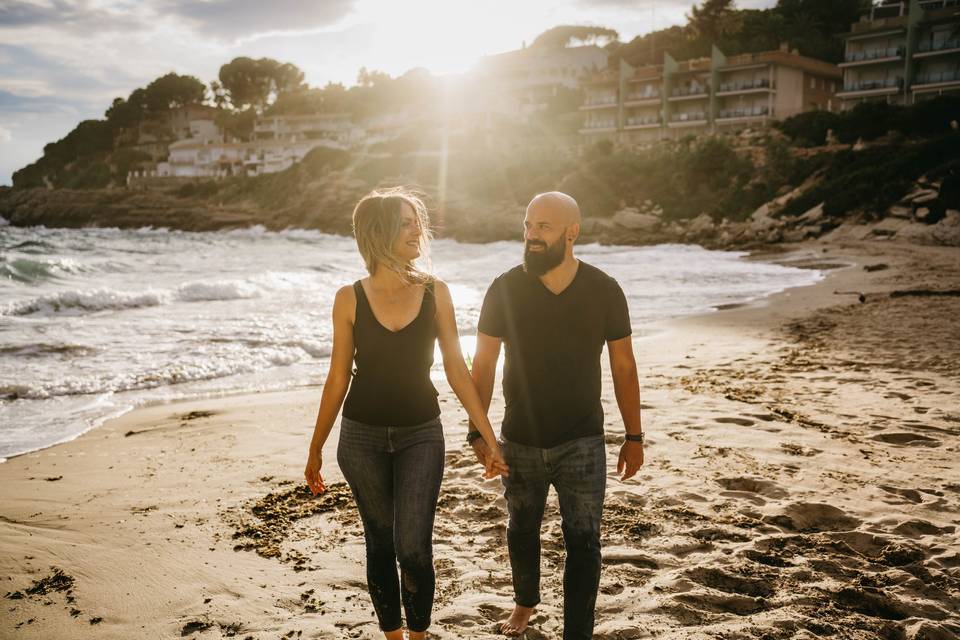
[[377, 220]]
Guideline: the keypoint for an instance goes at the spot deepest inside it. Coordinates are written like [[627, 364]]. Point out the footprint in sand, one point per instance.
[[906, 439], [743, 422], [919, 528], [737, 604], [721, 581], [810, 516], [760, 486], [897, 394], [910, 495]]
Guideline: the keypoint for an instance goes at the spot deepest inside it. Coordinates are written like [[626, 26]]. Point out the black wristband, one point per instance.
[[635, 437], [473, 435]]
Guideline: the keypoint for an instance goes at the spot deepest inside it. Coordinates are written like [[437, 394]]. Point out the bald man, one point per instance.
[[554, 313]]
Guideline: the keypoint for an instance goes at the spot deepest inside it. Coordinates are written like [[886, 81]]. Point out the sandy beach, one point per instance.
[[800, 482]]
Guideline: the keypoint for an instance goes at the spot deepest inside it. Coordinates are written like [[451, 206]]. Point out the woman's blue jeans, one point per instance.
[[394, 474]]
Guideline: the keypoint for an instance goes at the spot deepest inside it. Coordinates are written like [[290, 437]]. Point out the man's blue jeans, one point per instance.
[[577, 471]]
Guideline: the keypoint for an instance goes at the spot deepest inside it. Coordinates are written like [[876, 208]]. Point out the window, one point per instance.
[[813, 82]]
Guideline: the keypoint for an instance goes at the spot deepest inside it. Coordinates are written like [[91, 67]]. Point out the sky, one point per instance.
[[63, 61]]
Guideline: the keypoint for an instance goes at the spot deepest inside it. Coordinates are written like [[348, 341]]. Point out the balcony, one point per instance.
[[643, 97], [748, 86], [743, 114], [642, 122], [872, 56], [599, 126], [936, 79], [871, 88], [692, 92], [689, 119], [599, 102], [929, 49]]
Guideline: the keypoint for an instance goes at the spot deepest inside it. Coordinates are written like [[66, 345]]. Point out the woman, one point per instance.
[[391, 445]]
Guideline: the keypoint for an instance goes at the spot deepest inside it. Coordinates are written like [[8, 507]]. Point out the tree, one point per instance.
[[125, 114], [172, 91], [563, 35], [713, 19], [258, 83]]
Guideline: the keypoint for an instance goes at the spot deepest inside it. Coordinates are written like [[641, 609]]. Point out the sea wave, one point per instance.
[[31, 271], [78, 302], [172, 373]]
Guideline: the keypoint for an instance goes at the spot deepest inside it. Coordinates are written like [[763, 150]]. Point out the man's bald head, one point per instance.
[[558, 204]]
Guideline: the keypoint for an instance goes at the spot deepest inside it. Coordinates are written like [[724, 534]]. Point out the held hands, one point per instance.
[[492, 461], [631, 459], [312, 472]]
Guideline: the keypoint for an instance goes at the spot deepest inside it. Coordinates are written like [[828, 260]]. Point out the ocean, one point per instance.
[[94, 322]]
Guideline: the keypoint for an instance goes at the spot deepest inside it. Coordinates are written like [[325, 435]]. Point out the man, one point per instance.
[[555, 313]]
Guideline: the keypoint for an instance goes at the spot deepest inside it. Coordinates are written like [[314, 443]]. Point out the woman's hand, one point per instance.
[[494, 464], [312, 472]]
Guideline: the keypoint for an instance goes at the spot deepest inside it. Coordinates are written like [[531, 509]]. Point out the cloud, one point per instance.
[[237, 19], [5, 135], [77, 16]]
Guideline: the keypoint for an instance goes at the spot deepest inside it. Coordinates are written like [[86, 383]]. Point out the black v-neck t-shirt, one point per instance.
[[553, 344]]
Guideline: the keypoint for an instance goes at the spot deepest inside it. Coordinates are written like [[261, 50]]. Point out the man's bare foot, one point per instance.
[[517, 622], [417, 635], [396, 634]]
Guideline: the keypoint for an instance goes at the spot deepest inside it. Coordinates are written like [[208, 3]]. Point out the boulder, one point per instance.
[[924, 197], [899, 211], [630, 218], [812, 215], [703, 223], [931, 214]]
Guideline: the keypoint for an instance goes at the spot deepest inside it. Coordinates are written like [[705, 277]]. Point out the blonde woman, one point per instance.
[[391, 446]]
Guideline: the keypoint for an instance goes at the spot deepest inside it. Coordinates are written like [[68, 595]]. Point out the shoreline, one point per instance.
[[769, 502], [158, 394]]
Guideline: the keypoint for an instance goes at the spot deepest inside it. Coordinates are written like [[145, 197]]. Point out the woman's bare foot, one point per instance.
[[396, 634], [517, 622], [417, 635]]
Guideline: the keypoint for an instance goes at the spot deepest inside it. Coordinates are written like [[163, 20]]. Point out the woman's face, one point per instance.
[[407, 245]]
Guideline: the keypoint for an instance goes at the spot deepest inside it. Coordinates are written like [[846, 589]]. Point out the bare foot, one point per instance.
[[417, 635], [396, 634], [517, 622]]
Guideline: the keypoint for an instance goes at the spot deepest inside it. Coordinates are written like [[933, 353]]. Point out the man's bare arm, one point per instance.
[[626, 386], [483, 372]]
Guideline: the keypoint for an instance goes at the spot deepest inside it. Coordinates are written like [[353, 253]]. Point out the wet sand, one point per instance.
[[800, 482]]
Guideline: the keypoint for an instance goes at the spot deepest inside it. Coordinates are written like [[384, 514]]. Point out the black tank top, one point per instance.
[[391, 384]]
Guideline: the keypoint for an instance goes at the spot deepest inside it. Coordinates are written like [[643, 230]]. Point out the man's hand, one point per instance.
[[631, 459]]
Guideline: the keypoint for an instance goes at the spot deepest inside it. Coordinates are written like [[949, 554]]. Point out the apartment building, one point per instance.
[[902, 52], [520, 82], [336, 129], [656, 102]]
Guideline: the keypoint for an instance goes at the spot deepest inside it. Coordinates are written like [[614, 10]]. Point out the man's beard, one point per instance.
[[539, 263]]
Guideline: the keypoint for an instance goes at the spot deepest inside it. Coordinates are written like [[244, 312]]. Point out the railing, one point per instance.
[[694, 90], [646, 95], [867, 85], [952, 43], [600, 100], [638, 121], [874, 54], [940, 76], [745, 113], [761, 83], [600, 125], [688, 117]]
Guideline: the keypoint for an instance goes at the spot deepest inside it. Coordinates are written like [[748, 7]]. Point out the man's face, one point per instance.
[[545, 240]]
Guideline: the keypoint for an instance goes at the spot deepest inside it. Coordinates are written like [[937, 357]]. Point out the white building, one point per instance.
[[336, 129], [523, 80]]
